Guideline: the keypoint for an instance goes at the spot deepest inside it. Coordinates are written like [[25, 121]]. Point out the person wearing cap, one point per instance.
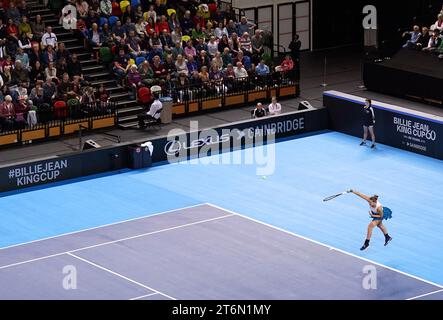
[[154, 111]]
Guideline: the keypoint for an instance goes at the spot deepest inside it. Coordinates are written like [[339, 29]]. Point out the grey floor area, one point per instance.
[[343, 73], [202, 252]]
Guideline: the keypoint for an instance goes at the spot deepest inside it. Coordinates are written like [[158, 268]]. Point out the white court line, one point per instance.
[[120, 275], [102, 226], [325, 245], [145, 296], [116, 241], [425, 295]]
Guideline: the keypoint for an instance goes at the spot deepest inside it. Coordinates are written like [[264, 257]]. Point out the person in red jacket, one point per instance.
[[7, 114]]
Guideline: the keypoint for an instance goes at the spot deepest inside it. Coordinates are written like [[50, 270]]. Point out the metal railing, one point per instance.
[[232, 86], [48, 116]]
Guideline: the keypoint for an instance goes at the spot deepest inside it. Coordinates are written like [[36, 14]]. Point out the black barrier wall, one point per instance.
[[181, 146], [395, 126]]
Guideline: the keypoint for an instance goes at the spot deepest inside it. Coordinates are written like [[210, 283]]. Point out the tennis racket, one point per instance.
[[336, 195]]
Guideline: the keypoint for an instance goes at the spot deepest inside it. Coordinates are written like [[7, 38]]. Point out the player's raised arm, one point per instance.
[[361, 195]]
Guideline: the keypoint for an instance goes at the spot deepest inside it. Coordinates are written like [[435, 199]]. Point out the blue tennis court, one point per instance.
[[215, 231]]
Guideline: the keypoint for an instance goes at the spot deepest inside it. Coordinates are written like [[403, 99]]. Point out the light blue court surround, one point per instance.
[[307, 170]]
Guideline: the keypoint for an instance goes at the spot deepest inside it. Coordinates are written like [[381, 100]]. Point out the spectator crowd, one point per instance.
[[427, 39]]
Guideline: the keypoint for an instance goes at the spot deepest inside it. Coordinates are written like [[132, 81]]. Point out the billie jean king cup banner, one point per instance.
[[198, 145], [415, 134], [37, 173]]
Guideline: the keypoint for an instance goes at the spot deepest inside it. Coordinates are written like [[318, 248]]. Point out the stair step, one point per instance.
[[39, 11], [93, 68], [130, 110], [104, 81], [73, 48], [128, 125], [44, 15], [114, 88], [50, 21], [116, 96], [88, 61], [127, 118], [72, 40], [63, 34], [125, 102], [98, 74]]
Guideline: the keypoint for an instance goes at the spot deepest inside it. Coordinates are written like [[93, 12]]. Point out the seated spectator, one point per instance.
[[146, 73], [187, 24], [7, 114], [62, 67], [223, 43], [133, 45], [182, 87], [140, 27], [262, 69], [12, 29], [177, 35], [203, 60], [189, 49], [37, 73], [25, 28], [51, 72], [231, 28], [424, 39], [95, 36], [49, 38], [21, 112], [209, 31], [38, 28], [24, 58], [166, 40], [181, 66], [234, 45], [414, 37], [221, 30], [244, 26], [177, 50], [192, 65], [49, 56], [162, 25], [275, 107], [173, 21], [216, 78], [257, 43], [217, 61], [20, 74], [212, 47], [434, 42], [13, 13], [82, 8], [258, 112], [88, 99], [226, 57], [201, 45], [245, 44], [438, 24], [118, 32], [159, 69], [197, 33], [24, 43], [49, 90], [106, 8], [134, 80], [64, 87], [75, 67], [240, 71], [120, 65]]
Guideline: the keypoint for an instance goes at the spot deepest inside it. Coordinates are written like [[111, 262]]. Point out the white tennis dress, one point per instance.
[[374, 208]]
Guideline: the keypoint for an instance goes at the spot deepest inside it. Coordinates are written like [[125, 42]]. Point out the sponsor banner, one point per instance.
[[184, 144], [394, 126]]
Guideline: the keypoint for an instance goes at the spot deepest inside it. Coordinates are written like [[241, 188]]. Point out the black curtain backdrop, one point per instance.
[[339, 23]]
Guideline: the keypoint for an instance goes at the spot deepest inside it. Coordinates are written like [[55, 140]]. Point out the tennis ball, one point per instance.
[[264, 177]]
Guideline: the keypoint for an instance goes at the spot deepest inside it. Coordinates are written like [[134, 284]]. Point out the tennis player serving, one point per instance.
[[378, 213]]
